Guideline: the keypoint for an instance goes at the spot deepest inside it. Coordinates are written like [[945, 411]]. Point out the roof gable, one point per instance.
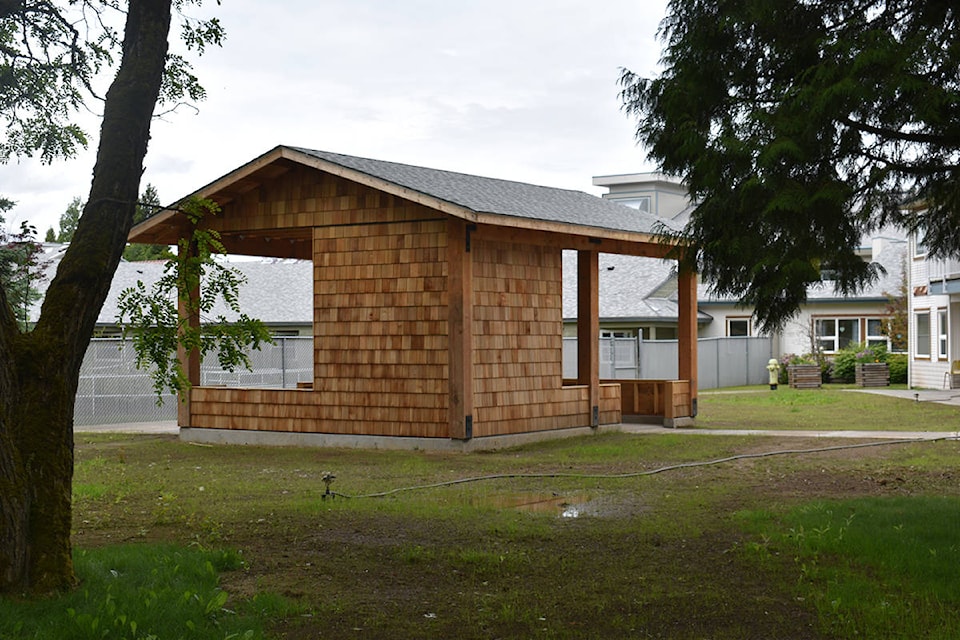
[[495, 196], [474, 198]]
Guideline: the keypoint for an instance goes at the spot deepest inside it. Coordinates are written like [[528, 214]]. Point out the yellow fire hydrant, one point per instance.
[[773, 366]]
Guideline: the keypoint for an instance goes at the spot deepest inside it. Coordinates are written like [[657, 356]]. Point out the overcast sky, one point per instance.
[[517, 89]]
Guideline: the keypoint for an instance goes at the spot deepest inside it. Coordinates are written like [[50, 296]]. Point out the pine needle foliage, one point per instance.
[[798, 127]]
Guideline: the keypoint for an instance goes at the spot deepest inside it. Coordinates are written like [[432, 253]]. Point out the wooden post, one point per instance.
[[460, 318], [687, 332], [588, 328], [188, 308]]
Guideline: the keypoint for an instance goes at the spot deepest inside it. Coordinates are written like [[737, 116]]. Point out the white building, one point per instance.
[[828, 321], [934, 320]]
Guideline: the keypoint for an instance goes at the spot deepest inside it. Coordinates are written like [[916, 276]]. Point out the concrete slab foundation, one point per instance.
[[286, 439]]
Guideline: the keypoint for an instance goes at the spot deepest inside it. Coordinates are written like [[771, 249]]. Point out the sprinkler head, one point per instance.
[[328, 479]]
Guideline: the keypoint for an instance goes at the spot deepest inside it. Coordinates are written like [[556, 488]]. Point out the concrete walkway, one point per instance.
[[940, 396], [162, 427], [947, 396], [858, 435]]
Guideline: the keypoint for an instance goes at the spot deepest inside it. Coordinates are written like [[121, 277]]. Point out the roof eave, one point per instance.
[[147, 231], [156, 228]]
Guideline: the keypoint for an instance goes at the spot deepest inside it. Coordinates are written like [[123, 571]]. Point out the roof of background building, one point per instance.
[[630, 289], [890, 258], [278, 292]]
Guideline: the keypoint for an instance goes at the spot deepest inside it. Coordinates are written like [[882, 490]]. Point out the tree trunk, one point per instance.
[[39, 371], [36, 469]]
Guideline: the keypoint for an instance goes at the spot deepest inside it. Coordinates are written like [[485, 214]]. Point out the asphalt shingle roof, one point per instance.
[[626, 284], [501, 197], [278, 292], [891, 258]]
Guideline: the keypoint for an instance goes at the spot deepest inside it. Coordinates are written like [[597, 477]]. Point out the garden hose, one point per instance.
[[637, 474]]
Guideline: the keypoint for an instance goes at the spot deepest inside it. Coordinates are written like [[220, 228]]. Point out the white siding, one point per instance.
[[928, 371]]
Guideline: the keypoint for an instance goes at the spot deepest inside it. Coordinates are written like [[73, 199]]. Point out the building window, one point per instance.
[[833, 334], [942, 334], [641, 203], [738, 327], [657, 333], [923, 334], [919, 244], [876, 334]]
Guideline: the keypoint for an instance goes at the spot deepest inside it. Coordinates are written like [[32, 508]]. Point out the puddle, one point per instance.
[[563, 506]]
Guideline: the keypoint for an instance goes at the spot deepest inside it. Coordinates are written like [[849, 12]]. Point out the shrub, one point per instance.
[[844, 365], [845, 361], [898, 364]]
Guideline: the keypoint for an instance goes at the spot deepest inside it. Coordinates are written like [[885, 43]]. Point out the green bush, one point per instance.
[[844, 366], [845, 361], [898, 367]]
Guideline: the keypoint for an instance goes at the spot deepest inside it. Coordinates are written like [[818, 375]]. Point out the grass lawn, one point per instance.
[[831, 408], [832, 544]]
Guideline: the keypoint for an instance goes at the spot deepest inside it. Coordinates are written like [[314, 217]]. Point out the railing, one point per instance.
[[939, 269]]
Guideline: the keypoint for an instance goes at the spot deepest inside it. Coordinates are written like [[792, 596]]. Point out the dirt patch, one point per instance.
[[649, 586], [656, 556]]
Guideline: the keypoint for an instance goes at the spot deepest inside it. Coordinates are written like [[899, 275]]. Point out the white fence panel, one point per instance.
[[722, 362]]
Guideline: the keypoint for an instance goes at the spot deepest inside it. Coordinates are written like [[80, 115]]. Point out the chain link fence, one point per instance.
[[112, 390]]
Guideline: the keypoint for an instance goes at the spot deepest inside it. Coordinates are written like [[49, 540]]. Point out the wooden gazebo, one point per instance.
[[437, 305]]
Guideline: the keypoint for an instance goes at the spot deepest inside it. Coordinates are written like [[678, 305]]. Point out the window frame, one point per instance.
[[627, 334], [836, 338], [943, 335], [738, 319], [640, 203], [871, 339], [924, 314], [919, 244], [821, 336]]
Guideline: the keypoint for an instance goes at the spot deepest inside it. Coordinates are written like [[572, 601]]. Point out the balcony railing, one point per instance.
[[943, 269]]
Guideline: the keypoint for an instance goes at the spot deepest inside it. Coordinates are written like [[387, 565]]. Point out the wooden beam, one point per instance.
[[188, 307], [280, 243], [687, 331], [460, 318], [588, 329]]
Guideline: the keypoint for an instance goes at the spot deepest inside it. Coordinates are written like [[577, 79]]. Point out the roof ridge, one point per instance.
[[314, 152]]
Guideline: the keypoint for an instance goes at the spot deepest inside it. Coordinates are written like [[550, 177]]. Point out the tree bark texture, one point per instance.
[[39, 370]]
